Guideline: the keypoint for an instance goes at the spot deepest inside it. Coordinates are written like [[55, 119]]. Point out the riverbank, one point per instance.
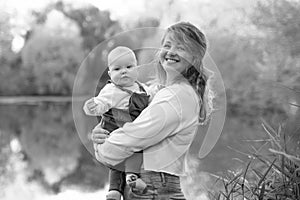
[[38, 99]]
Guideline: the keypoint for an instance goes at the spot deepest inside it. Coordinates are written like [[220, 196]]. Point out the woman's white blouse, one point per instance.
[[164, 131]]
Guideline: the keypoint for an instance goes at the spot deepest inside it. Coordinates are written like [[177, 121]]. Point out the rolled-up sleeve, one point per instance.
[[157, 122]]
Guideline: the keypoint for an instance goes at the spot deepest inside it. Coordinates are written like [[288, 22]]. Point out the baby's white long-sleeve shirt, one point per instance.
[[111, 96]]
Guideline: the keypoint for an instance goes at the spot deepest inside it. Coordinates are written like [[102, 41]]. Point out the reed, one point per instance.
[[273, 174]]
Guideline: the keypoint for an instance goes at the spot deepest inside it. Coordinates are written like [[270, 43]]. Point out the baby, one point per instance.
[[121, 100]]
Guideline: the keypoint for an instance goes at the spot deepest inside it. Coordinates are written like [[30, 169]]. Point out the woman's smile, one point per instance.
[[171, 60]]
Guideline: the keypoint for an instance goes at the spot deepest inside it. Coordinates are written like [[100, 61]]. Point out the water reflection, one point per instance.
[[40, 143]]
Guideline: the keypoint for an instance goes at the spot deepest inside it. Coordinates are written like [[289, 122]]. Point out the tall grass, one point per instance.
[[273, 172]]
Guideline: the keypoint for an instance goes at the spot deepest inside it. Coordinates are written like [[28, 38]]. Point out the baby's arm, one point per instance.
[[100, 104]]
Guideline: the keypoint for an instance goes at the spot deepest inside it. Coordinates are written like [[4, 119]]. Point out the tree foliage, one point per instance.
[[54, 48], [53, 53], [95, 25], [9, 61], [261, 70], [280, 23]]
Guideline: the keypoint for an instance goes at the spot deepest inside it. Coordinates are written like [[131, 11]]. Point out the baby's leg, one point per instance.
[[132, 168], [133, 163], [116, 182]]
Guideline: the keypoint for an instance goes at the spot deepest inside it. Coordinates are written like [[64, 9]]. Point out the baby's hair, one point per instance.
[[117, 53]]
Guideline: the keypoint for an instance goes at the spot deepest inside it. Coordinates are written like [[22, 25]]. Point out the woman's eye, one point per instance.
[[166, 46], [180, 48]]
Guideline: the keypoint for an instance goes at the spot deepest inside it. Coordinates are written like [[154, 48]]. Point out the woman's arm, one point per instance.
[[99, 134], [158, 121]]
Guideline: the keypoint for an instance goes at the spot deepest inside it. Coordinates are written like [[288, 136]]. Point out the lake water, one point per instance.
[[42, 156]]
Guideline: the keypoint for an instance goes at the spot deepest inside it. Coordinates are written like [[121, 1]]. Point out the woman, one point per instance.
[[166, 128]]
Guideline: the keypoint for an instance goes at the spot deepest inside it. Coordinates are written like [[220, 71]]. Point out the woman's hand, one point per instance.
[[99, 134]]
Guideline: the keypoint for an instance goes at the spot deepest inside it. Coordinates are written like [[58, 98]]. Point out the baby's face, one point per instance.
[[123, 71]]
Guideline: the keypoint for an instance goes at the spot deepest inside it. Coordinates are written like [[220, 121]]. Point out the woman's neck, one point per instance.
[[173, 76]]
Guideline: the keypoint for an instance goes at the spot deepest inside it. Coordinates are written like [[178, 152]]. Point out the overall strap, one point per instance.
[[141, 87]]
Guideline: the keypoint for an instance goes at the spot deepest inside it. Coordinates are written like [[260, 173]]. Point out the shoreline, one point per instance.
[[4, 100]]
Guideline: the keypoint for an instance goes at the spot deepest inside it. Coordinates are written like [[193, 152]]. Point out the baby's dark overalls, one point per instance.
[[115, 118]]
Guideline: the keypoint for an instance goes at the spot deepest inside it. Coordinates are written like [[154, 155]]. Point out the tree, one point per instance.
[[258, 68], [95, 25], [10, 62], [53, 53]]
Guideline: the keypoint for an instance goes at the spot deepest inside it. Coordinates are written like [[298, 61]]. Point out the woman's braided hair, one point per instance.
[[194, 41]]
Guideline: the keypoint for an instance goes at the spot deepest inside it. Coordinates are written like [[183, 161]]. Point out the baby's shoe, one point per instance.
[[113, 195], [135, 182]]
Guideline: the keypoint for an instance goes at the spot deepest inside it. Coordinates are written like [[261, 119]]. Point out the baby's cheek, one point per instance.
[[134, 74]]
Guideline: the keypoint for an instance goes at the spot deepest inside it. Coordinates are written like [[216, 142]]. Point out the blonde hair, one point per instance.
[[198, 76]]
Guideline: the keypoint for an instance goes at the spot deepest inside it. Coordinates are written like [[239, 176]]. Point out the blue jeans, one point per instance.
[[160, 186]]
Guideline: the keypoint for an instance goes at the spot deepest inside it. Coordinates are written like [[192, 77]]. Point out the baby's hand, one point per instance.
[[90, 107]]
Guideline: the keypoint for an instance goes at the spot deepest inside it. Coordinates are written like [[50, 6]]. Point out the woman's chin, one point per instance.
[[167, 65], [170, 65]]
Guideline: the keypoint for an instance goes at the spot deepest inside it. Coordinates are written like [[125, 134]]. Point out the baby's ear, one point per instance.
[[108, 72]]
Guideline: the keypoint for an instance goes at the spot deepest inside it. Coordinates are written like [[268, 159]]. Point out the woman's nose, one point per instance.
[[171, 51]]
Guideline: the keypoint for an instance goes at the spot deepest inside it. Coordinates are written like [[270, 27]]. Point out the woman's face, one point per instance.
[[174, 55]]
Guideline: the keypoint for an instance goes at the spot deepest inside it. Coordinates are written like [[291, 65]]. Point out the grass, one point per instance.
[[272, 172]]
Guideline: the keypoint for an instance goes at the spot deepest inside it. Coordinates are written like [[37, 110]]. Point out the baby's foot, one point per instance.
[[135, 182], [113, 195]]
